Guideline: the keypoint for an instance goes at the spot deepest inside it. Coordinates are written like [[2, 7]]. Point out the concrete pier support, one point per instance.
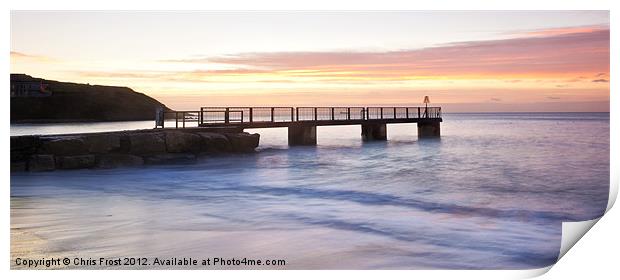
[[372, 132], [429, 129], [299, 135]]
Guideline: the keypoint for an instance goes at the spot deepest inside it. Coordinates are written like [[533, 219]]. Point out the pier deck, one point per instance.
[[302, 121]]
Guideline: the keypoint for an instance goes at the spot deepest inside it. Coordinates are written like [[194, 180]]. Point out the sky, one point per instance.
[[466, 61]]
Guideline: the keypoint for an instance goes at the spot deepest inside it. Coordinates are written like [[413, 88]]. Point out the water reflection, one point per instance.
[[477, 198]]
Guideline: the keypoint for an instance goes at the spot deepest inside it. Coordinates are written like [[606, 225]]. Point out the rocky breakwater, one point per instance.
[[125, 148]]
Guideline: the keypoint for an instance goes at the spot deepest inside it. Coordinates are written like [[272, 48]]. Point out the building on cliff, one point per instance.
[[23, 85]]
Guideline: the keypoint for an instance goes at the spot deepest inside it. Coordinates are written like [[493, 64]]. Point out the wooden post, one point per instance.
[[251, 114], [315, 114], [297, 113], [394, 112], [200, 116], [418, 112], [332, 113], [381, 112], [226, 115], [159, 117], [292, 115], [272, 117], [407, 112], [183, 119], [348, 113], [176, 119]]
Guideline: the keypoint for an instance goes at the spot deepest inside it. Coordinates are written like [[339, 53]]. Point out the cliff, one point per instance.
[[39, 100]]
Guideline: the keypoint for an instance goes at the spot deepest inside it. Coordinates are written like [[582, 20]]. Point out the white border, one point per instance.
[[581, 266], [313, 5]]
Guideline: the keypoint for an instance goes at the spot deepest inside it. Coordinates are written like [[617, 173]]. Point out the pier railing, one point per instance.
[[232, 115], [180, 118], [210, 116]]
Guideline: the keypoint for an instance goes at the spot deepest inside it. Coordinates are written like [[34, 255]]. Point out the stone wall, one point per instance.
[[125, 148], [429, 129]]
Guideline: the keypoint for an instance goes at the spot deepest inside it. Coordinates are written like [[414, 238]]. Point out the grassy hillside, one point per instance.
[[82, 102]]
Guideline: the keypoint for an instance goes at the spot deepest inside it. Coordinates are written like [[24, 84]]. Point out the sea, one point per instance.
[[491, 193]]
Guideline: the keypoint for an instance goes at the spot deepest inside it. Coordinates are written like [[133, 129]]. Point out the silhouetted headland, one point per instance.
[[36, 100]]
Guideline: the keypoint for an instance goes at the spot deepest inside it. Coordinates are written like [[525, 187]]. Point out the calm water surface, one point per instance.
[[491, 193]]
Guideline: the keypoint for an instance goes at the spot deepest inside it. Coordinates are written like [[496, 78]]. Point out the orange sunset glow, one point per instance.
[[541, 69]]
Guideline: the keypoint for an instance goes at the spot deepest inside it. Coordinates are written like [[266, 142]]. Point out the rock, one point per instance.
[[129, 148], [24, 144], [22, 148], [18, 166], [76, 162], [215, 142], [63, 145], [243, 142], [118, 160], [147, 143], [176, 158], [102, 143], [125, 144], [226, 129], [20, 155], [41, 163], [182, 142]]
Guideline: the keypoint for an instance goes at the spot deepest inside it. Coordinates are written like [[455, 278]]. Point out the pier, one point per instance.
[[302, 121]]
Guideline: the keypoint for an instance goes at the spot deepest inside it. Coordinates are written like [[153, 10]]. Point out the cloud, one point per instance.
[[187, 60], [276, 81], [235, 71], [553, 59], [122, 74], [600, 81], [195, 76], [574, 80], [21, 55], [582, 50], [562, 30]]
